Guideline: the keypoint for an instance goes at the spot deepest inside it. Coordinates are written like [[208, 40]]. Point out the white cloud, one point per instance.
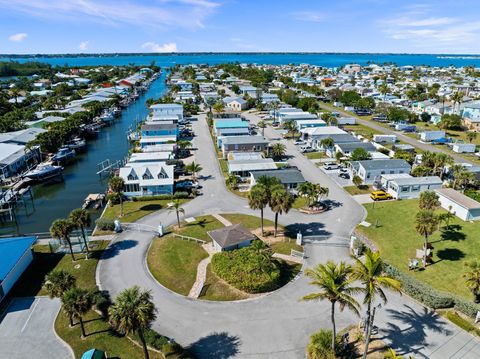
[[83, 45], [154, 47], [160, 14], [310, 16], [18, 37]]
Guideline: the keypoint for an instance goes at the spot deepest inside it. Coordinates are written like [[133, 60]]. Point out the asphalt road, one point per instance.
[[26, 331], [277, 325]]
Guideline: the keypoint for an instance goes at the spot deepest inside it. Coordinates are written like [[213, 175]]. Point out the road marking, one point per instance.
[[30, 315]]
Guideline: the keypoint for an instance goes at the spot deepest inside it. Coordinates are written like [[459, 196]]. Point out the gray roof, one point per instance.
[[286, 176], [240, 140], [231, 235], [159, 126], [350, 146], [458, 198], [21, 137], [227, 131], [251, 165], [338, 138], [384, 164], [418, 180]]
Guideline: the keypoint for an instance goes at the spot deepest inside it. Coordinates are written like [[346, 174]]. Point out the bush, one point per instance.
[[152, 198], [105, 224], [468, 308], [461, 322], [247, 269], [180, 195], [421, 291], [155, 340], [320, 345]]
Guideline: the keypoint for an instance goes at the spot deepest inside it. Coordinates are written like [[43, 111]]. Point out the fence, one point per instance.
[[139, 227], [187, 238], [295, 253]]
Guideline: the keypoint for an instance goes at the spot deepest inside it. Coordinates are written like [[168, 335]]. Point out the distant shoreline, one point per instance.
[[123, 54]]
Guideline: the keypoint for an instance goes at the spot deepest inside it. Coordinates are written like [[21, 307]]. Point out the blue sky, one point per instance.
[[71, 26]]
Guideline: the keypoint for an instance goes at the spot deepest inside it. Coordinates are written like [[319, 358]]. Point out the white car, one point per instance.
[[330, 166], [299, 142]]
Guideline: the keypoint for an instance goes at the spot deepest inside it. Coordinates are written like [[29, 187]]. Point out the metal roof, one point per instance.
[[458, 198], [12, 250]]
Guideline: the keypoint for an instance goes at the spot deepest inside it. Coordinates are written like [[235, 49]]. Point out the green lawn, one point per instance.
[[133, 211], [397, 240], [354, 190], [315, 155], [200, 227], [249, 222], [173, 262], [362, 130], [99, 333], [286, 247], [218, 290]]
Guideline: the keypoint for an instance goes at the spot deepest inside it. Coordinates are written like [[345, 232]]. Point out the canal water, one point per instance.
[[52, 201]]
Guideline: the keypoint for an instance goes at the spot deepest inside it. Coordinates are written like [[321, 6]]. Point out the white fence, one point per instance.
[[187, 238]]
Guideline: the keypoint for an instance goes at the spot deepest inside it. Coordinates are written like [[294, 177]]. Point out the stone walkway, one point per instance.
[[224, 221], [288, 258], [197, 287]]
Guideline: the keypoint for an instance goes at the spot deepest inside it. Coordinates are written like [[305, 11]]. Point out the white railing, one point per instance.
[[187, 238], [139, 227]]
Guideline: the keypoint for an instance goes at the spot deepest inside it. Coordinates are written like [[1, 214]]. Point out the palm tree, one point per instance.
[[258, 198], [232, 181], [335, 285], [471, 136], [383, 89], [426, 224], [117, 185], [307, 189], [61, 229], [429, 201], [76, 303], [280, 202], [446, 217], [80, 218], [457, 98], [218, 106], [278, 150], [133, 312], [57, 282], [176, 206], [371, 275], [327, 142], [440, 161], [291, 127], [472, 277], [193, 168], [263, 125]]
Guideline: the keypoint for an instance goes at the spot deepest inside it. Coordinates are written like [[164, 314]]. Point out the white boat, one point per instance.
[[78, 144], [64, 154], [44, 171]]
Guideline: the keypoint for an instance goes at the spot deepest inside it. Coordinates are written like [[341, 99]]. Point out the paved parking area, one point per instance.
[[26, 330], [334, 175]]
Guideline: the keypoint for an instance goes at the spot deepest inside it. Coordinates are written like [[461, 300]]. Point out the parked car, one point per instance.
[[344, 175], [380, 195], [187, 185], [330, 166], [299, 142]]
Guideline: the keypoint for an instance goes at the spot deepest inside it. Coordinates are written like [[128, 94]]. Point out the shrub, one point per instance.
[[180, 195], [468, 308], [105, 224], [152, 198], [421, 291], [461, 322], [248, 269], [155, 340], [320, 345]]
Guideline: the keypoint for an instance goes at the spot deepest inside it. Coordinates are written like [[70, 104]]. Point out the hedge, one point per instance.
[[468, 308], [420, 291], [247, 269], [105, 224], [177, 195]]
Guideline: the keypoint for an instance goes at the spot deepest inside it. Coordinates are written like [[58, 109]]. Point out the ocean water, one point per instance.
[[326, 60]]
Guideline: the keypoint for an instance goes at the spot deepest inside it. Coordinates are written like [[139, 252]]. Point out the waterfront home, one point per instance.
[[159, 129], [44, 121], [457, 203], [167, 112], [162, 147], [235, 103], [147, 178], [370, 171], [404, 186], [16, 257], [156, 140], [290, 178], [14, 158], [150, 157], [21, 137], [223, 123], [231, 237], [243, 144]]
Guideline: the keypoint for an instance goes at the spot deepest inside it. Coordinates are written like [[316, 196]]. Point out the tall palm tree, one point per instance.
[[426, 223], [193, 168], [117, 185], [335, 285], [176, 207], [258, 198], [370, 273], [61, 229], [472, 278], [232, 181], [327, 142], [291, 127], [80, 219], [440, 161], [57, 282], [263, 125], [278, 150], [133, 312], [76, 303], [281, 201], [457, 98], [428, 200]]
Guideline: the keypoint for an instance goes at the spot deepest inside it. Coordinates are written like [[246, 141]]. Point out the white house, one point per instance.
[[370, 171], [16, 257], [406, 187], [457, 203], [167, 112], [235, 103], [147, 178], [231, 237]]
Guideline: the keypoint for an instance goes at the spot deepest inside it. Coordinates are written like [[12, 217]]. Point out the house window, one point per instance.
[[392, 172], [415, 188], [405, 188]]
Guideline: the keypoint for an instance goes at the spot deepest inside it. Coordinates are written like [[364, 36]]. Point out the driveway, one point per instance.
[[277, 325], [26, 330]]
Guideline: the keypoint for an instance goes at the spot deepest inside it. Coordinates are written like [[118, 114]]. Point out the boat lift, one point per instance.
[[106, 167]]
